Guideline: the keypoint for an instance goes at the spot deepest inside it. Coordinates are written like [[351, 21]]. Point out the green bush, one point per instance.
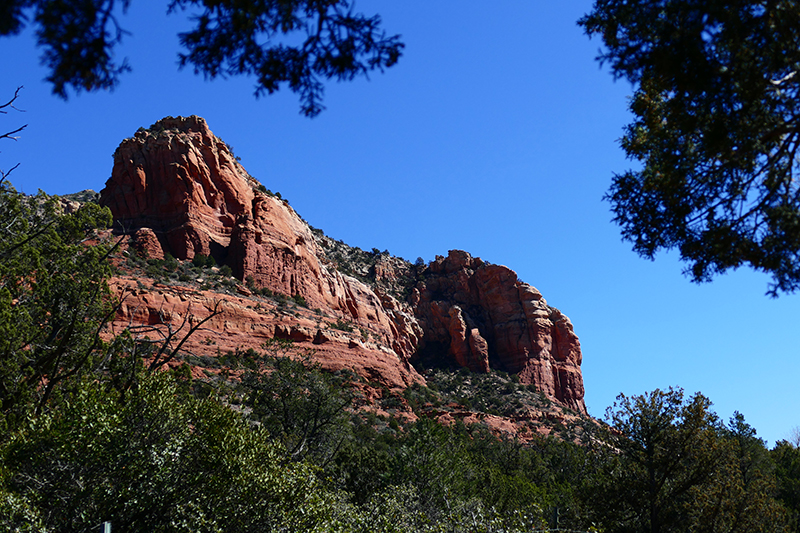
[[342, 325], [170, 263], [203, 261], [160, 461]]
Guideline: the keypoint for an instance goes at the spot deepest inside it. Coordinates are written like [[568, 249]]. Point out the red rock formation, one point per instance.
[[488, 318], [179, 182], [246, 322], [182, 182], [146, 243], [178, 189]]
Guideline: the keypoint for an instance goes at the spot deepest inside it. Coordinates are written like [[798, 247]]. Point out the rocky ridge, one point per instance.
[[178, 191]]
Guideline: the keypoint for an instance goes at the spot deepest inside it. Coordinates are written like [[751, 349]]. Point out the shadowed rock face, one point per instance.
[[178, 189]]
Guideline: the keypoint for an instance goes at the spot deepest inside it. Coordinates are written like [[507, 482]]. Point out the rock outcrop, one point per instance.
[[177, 189], [486, 318]]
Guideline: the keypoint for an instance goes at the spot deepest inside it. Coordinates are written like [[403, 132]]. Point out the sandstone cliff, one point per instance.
[[177, 189], [482, 316]]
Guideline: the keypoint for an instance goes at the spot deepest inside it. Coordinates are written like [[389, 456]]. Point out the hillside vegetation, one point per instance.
[[92, 431]]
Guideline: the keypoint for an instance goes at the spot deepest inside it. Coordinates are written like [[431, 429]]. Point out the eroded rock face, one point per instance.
[[177, 189], [181, 184], [488, 318]]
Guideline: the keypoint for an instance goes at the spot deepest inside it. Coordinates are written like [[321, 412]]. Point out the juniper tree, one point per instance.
[[230, 37], [715, 134]]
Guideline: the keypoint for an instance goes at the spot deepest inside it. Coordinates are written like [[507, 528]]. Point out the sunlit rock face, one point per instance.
[[490, 319], [177, 189]]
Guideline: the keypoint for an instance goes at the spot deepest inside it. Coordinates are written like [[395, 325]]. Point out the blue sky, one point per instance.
[[497, 134]]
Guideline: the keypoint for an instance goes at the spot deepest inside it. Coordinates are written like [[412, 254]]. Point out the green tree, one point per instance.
[[671, 466], [740, 496], [433, 477], [230, 37], [298, 403], [786, 457], [158, 461], [54, 299], [715, 129], [661, 446], [428, 458]]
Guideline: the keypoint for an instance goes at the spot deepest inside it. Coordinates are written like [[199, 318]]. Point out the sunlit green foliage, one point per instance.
[[159, 461], [53, 298]]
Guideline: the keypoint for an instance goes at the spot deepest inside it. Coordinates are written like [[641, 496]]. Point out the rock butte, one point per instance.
[[178, 189]]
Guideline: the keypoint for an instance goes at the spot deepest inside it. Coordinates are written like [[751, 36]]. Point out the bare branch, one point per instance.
[[783, 79], [4, 173], [10, 103], [10, 134], [162, 359]]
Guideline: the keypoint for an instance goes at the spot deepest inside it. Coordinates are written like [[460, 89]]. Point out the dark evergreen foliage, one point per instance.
[[716, 131], [230, 37], [670, 465], [299, 405], [786, 457], [53, 298]]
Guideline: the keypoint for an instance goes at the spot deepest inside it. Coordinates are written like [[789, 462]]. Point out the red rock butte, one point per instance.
[[176, 188]]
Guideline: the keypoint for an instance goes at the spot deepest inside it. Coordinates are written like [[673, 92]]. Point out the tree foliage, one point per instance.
[[297, 403], [672, 466], [230, 37], [786, 457], [715, 129], [53, 296], [159, 461]]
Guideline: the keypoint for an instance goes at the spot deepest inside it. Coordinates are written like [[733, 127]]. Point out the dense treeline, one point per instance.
[[89, 433]]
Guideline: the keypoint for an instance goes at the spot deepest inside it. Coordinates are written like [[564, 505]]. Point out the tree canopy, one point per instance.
[[715, 128], [230, 37], [53, 297], [672, 466]]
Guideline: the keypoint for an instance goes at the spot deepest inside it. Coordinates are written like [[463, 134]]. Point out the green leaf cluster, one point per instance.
[[158, 461]]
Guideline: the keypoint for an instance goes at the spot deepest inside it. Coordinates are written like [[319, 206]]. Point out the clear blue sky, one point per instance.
[[497, 134]]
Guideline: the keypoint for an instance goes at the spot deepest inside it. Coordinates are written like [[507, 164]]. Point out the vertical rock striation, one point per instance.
[[490, 319], [178, 189]]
